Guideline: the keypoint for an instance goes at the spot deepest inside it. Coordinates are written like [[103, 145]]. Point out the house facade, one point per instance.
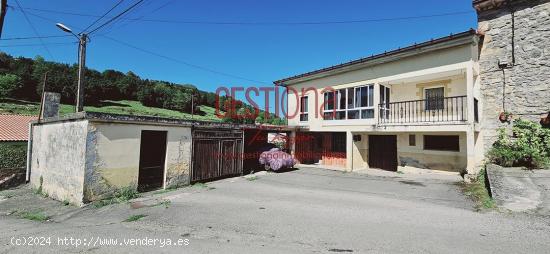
[[412, 107]]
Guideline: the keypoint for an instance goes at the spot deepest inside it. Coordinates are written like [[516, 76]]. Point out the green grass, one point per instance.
[[124, 107], [478, 192], [200, 185], [252, 178], [135, 217], [35, 216], [121, 196]]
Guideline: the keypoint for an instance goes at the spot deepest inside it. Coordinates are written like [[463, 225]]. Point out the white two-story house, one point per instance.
[[411, 107]]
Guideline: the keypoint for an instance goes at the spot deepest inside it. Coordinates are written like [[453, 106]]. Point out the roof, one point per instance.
[[15, 127], [153, 120], [386, 54]]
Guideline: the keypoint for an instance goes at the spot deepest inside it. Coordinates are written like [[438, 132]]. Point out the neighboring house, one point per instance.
[[14, 134], [415, 106], [514, 61]]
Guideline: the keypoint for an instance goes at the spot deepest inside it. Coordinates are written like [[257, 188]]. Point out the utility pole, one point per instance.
[[3, 10], [81, 69]]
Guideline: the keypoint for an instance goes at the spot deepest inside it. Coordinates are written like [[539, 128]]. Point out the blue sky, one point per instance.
[[256, 52]]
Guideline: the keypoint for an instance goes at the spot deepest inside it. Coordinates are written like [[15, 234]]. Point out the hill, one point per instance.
[[22, 81]]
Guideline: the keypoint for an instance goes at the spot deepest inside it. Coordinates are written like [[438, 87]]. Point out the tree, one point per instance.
[[8, 84]]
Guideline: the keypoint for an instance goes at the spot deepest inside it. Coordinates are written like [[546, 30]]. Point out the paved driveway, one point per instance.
[[303, 211]]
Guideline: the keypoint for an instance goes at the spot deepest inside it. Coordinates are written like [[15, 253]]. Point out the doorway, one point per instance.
[[152, 155], [383, 152]]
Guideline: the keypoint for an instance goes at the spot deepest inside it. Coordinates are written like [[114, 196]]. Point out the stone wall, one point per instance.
[[519, 36]]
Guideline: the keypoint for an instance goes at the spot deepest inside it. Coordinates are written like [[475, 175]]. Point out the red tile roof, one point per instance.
[[15, 127]]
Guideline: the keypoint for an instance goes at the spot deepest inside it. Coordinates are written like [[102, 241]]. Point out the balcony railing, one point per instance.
[[437, 109]]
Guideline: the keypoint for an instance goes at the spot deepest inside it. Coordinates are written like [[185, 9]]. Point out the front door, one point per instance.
[[151, 160], [383, 152]]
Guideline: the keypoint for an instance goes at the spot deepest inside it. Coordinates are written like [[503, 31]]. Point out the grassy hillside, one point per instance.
[[114, 107]]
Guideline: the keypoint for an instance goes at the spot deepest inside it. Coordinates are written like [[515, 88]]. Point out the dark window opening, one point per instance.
[[338, 142], [442, 143], [412, 140], [435, 98]]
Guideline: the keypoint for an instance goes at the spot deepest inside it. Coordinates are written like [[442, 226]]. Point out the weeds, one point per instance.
[[166, 203], [478, 192], [35, 216], [169, 189], [252, 178], [135, 217], [121, 196], [200, 185]]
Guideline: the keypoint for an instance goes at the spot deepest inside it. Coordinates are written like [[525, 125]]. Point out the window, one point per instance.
[[350, 103], [338, 144], [434, 98], [412, 140], [385, 102], [335, 105], [304, 108], [441, 143], [361, 102]]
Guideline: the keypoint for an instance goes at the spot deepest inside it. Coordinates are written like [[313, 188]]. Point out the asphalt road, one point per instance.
[[303, 211]]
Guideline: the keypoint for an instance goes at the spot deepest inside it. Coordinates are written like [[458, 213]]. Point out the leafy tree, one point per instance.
[[8, 84]]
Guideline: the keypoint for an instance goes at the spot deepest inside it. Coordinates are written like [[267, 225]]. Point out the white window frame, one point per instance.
[[355, 108], [306, 111]]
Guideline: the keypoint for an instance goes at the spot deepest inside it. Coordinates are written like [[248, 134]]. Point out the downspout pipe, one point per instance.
[[29, 152]]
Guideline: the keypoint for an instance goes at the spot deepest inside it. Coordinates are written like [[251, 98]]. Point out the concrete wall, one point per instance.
[[58, 157], [114, 152], [524, 87], [415, 156]]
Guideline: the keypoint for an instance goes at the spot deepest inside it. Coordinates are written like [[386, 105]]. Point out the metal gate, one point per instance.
[[217, 153]]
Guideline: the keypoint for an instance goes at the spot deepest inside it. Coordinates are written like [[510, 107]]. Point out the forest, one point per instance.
[[23, 79]]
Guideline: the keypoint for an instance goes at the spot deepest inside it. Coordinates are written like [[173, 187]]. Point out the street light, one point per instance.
[[83, 38]]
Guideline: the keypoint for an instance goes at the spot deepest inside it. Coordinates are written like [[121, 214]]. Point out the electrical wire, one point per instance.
[[34, 37], [183, 62], [34, 29], [97, 20], [37, 44], [116, 17], [272, 23], [167, 57]]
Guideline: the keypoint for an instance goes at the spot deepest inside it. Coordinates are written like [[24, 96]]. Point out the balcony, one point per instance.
[[447, 110]]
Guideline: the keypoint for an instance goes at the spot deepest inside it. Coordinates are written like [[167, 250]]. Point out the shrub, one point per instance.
[[13, 154], [529, 146]]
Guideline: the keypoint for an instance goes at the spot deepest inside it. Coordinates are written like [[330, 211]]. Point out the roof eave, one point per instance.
[[432, 45]]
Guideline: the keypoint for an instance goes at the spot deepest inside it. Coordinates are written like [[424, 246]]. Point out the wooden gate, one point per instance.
[[383, 152], [217, 153]]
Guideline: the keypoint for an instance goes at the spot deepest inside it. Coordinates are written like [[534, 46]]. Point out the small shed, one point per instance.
[[89, 156]]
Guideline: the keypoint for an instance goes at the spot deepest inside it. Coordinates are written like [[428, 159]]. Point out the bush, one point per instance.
[[13, 155], [529, 146]]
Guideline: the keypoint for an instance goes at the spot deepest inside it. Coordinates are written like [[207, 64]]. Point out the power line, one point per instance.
[[167, 57], [272, 23], [183, 62], [37, 44], [34, 29], [33, 37], [97, 20], [116, 17]]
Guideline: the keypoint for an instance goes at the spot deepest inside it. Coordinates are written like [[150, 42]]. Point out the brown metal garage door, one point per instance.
[[383, 152], [217, 153]]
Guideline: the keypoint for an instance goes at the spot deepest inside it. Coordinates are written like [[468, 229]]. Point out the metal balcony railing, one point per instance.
[[436, 109]]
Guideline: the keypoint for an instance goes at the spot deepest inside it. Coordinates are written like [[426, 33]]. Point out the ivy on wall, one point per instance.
[[13, 155]]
